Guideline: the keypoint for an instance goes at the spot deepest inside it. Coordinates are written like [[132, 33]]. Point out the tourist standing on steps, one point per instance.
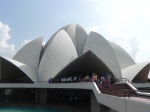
[[109, 78], [103, 80], [94, 77], [105, 75]]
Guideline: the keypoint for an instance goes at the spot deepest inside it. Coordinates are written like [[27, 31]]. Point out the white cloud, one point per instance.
[[129, 27], [136, 44], [143, 53], [129, 44], [6, 49]]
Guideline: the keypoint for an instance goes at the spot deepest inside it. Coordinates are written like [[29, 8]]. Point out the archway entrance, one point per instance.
[[86, 64]]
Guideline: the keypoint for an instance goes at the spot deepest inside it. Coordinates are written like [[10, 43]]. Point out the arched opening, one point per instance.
[[142, 76], [86, 64], [9, 73]]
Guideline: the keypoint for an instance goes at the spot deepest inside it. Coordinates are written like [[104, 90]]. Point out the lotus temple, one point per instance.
[[71, 51]]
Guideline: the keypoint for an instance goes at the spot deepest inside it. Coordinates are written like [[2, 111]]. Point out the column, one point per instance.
[[41, 96], [95, 106]]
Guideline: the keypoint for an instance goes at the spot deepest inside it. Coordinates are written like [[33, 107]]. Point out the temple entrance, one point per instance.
[[85, 65]]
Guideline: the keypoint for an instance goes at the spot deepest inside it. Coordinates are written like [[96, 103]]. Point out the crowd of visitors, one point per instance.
[[106, 78]]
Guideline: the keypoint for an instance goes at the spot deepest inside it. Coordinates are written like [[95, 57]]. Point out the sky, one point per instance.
[[125, 22]]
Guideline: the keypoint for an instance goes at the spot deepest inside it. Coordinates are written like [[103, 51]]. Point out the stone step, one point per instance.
[[120, 90]]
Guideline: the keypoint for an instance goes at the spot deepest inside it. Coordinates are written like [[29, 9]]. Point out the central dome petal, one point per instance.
[[57, 55], [101, 48]]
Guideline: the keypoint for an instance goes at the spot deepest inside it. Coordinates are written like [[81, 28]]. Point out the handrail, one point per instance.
[[128, 91], [125, 79], [133, 88], [124, 92], [129, 84]]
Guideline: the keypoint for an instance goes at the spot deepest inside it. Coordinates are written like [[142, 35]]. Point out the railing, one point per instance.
[[123, 80], [41, 82], [125, 92], [133, 90], [126, 81]]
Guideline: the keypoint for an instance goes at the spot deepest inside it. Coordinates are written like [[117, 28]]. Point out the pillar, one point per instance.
[[95, 106], [36, 96], [41, 96]]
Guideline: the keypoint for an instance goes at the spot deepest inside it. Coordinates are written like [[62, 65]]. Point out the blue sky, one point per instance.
[[125, 22]]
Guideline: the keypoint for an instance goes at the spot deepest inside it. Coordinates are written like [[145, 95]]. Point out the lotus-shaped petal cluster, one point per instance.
[[71, 50]]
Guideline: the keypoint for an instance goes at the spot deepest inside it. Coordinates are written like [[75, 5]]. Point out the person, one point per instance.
[[109, 79], [84, 79], [75, 79], [79, 79], [87, 78], [68, 79], [94, 77], [103, 80], [98, 81], [50, 80], [105, 75]]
